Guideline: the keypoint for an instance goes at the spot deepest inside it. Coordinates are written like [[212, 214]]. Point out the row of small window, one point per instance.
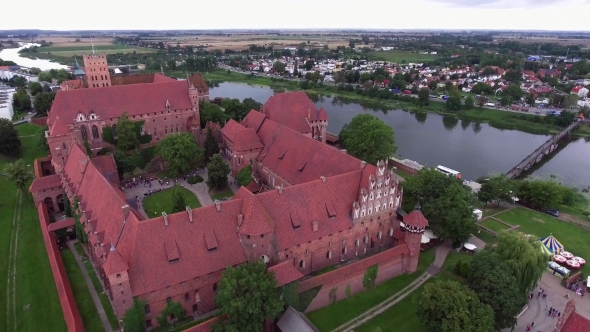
[[98, 85], [95, 134]]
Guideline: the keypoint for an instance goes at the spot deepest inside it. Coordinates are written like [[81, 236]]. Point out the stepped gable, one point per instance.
[[45, 182], [298, 158], [256, 220], [292, 109], [253, 119], [230, 129], [328, 203], [246, 139], [110, 102], [184, 249]]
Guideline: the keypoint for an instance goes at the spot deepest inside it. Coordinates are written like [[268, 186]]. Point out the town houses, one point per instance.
[[312, 205]]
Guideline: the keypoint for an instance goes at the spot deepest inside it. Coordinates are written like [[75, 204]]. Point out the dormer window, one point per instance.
[[80, 117], [167, 105], [93, 116]]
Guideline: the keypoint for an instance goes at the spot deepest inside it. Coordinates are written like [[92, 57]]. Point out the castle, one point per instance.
[[316, 207]]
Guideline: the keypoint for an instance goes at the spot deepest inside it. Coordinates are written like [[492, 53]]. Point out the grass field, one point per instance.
[[402, 316], [221, 194], [104, 300], [399, 56], [68, 51], [332, 316], [84, 301], [489, 210], [28, 297], [162, 201], [574, 238], [486, 237], [494, 225]]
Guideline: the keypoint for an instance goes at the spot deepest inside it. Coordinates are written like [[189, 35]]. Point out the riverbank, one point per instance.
[[495, 118]]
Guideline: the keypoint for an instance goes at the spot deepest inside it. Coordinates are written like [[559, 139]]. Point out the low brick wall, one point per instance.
[[402, 167], [40, 121], [64, 290]]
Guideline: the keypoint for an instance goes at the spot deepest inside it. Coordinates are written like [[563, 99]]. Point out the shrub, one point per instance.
[[348, 290], [244, 176], [194, 179], [370, 277]]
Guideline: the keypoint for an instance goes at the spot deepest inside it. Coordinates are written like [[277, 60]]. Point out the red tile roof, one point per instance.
[[246, 139], [576, 89], [61, 224], [58, 128], [108, 167], [256, 220], [198, 82], [230, 129], [203, 327], [139, 79], [253, 120], [46, 182], [114, 263], [285, 273], [576, 323], [291, 109], [415, 219], [323, 115], [109, 102]]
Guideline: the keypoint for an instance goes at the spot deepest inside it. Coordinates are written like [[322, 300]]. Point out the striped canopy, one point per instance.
[[550, 245]]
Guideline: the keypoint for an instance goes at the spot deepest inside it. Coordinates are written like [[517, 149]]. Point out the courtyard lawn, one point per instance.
[[104, 300], [494, 225], [29, 302], [330, 317], [400, 56], [486, 237], [574, 238], [489, 210], [162, 201], [84, 301], [402, 316], [220, 194]]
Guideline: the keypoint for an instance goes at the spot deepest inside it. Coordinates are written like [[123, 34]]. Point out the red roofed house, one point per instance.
[[571, 321], [318, 206]]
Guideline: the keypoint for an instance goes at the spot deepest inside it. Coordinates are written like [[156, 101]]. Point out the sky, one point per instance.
[[302, 14]]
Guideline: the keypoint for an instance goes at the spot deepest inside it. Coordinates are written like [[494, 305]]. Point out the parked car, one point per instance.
[[553, 212]]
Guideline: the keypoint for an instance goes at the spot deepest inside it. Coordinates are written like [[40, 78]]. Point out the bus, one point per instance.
[[448, 171]]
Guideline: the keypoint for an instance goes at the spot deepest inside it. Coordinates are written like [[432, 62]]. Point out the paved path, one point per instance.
[[103, 316], [441, 254]]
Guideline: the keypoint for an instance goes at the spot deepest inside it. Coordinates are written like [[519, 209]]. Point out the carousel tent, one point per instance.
[[550, 245]]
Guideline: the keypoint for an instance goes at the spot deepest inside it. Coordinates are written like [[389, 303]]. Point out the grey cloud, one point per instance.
[[502, 3]]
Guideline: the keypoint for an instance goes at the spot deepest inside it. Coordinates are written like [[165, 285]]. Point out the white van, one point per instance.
[[490, 104]]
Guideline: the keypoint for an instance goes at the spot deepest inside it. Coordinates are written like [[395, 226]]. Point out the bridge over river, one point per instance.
[[545, 149]]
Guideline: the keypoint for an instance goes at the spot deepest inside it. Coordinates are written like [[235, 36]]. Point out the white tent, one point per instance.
[[425, 239], [469, 246], [428, 233]]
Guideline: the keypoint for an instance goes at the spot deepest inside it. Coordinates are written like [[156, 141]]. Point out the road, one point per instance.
[[531, 111]]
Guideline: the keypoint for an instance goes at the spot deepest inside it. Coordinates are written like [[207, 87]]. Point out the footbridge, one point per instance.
[[543, 150]]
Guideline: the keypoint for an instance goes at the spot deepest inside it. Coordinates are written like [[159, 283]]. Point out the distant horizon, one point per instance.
[[395, 15], [20, 30]]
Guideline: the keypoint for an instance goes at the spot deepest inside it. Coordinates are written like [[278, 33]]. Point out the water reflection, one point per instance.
[[420, 117], [450, 122], [465, 124]]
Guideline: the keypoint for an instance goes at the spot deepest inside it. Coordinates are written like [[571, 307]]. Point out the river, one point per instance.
[[11, 54], [474, 149]]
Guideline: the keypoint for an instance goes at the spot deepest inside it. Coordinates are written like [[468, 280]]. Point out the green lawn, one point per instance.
[[34, 282], [162, 201], [574, 238], [494, 225], [489, 210], [486, 237], [104, 300], [332, 316], [221, 193], [400, 56], [402, 316], [84, 301]]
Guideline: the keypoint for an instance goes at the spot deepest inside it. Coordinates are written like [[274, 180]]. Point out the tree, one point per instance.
[[370, 276], [9, 141], [469, 103], [368, 138], [236, 110], [45, 77], [178, 201], [530, 99], [35, 88], [211, 112], [247, 297], [134, 318], [18, 174], [448, 306], [505, 100], [42, 102], [523, 257], [540, 194], [172, 308], [424, 96], [453, 102], [179, 151], [21, 101], [251, 104], [570, 101], [124, 163], [126, 136], [514, 91], [445, 202], [279, 67], [351, 44], [244, 176], [309, 65], [41, 140], [492, 281], [217, 171], [498, 188], [211, 146]]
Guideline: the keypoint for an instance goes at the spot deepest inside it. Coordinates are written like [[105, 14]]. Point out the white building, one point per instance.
[[6, 93], [8, 74]]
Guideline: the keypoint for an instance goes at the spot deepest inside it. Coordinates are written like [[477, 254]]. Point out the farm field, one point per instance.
[[400, 56], [68, 51]]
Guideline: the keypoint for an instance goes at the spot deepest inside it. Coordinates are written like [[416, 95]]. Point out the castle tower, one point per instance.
[[97, 70], [414, 225], [319, 125], [193, 94]]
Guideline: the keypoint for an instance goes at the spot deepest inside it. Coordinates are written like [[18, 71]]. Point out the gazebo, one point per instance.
[[550, 245]]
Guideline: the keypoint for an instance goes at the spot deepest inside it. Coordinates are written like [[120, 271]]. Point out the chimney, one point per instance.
[[363, 164], [280, 188], [217, 205], [165, 216], [323, 178], [190, 213], [125, 211], [83, 164], [315, 226], [240, 219]]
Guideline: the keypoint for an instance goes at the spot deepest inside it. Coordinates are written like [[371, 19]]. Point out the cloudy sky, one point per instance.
[[303, 14]]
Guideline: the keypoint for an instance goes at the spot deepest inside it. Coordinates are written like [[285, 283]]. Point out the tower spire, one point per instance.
[[92, 42]]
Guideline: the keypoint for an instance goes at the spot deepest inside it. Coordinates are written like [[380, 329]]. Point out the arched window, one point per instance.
[[380, 235], [344, 250], [168, 299], [302, 263], [64, 146], [115, 134], [95, 132], [215, 287], [166, 131], [186, 296], [197, 297], [329, 255], [84, 132], [195, 308], [391, 232], [146, 308]]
